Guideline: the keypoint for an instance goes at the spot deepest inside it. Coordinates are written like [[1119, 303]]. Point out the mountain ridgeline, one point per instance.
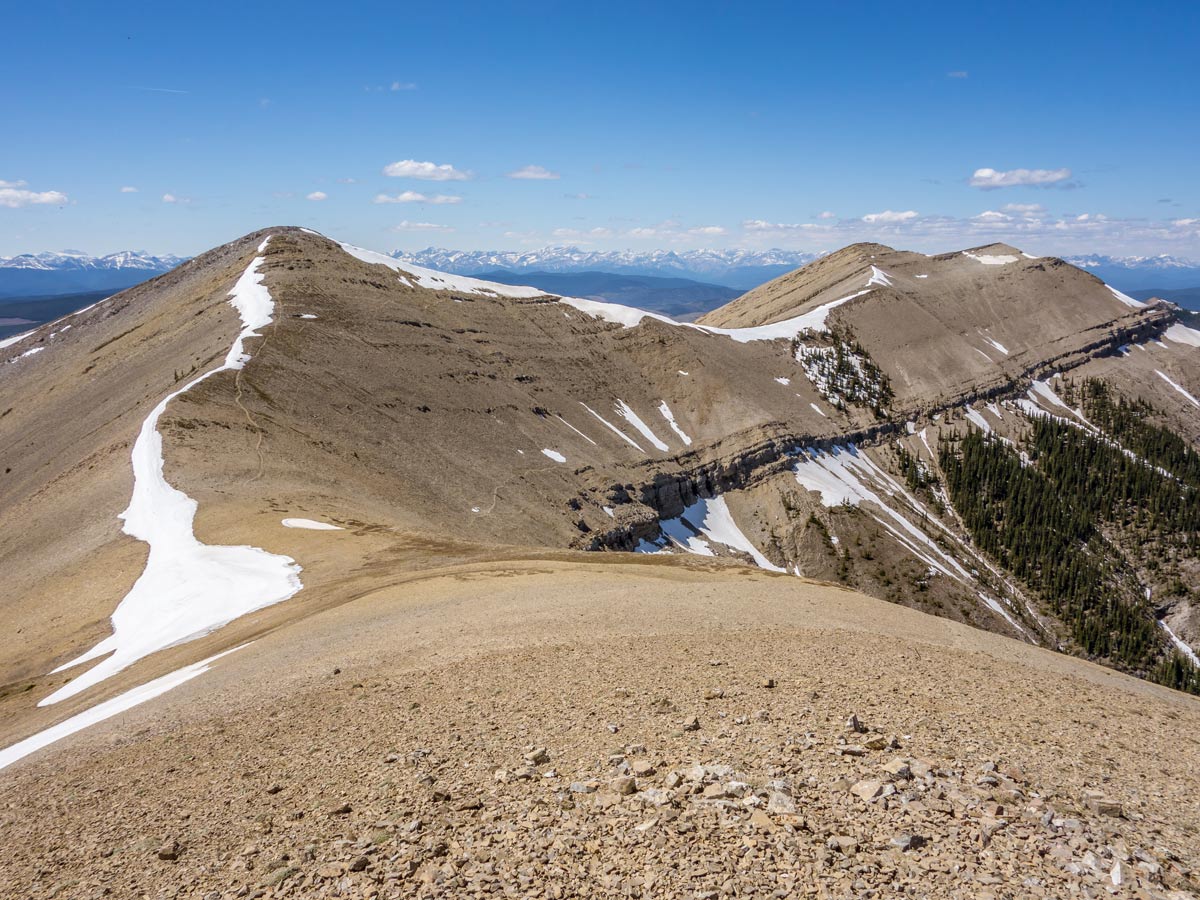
[[997, 439]]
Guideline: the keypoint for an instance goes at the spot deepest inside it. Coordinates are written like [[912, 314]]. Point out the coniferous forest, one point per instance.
[[1076, 517]]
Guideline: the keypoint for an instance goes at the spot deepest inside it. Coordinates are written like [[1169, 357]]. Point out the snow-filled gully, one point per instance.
[[188, 588]]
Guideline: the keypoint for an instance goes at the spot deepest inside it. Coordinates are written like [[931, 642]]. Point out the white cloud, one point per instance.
[[958, 73], [13, 195], [1024, 208], [347, 181], [1185, 223], [170, 198], [403, 86], [534, 173], [129, 190], [991, 179], [992, 215], [426, 171], [827, 215], [575, 234], [708, 230], [890, 217], [578, 196], [417, 197], [317, 195], [760, 225], [420, 226], [643, 232]]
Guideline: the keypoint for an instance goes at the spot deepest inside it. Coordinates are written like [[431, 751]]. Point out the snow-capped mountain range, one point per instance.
[[71, 272], [74, 259], [1161, 261], [734, 268]]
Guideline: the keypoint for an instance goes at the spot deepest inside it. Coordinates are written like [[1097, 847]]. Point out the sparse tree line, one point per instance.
[[1058, 523]]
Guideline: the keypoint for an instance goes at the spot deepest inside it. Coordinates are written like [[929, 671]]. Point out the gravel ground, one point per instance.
[[550, 730]]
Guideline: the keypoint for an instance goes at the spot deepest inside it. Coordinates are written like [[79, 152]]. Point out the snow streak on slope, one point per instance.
[[670, 417], [711, 518], [840, 476], [1180, 644], [625, 412], [441, 281], [844, 475], [1191, 398], [613, 428], [1125, 298], [188, 589], [977, 419], [107, 709], [999, 346]]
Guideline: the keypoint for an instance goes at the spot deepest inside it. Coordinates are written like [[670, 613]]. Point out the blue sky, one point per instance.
[[652, 125]]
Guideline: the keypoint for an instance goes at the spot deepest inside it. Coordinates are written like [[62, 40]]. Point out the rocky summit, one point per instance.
[[337, 576]]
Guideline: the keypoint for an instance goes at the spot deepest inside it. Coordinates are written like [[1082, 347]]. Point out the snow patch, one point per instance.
[[107, 709], [977, 420], [576, 430], [1180, 644], [310, 524], [818, 410], [1125, 298], [442, 281], [554, 455], [1178, 387], [670, 417], [613, 428], [992, 260], [626, 412], [711, 518], [1180, 334], [188, 589], [879, 277], [999, 346], [784, 381]]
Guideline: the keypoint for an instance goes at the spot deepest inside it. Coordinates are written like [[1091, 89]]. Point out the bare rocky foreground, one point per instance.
[[665, 729]]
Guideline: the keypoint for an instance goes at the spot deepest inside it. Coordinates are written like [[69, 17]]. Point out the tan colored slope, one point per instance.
[[395, 410], [415, 419], [382, 749], [937, 330]]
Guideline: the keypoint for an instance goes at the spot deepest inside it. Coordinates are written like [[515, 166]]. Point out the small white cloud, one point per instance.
[[763, 225], [643, 232], [992, 215], [534, 173], [417, 197], [425, 171], [317, 195], [707, 230], [578, 196], [129, 190], [14, 196], [1023, 208], [991, 179], [827, 215], [1185, 223], [890, 217], [347, 181], [170, 198], [403, 86], [420, 226], [958, 73]]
